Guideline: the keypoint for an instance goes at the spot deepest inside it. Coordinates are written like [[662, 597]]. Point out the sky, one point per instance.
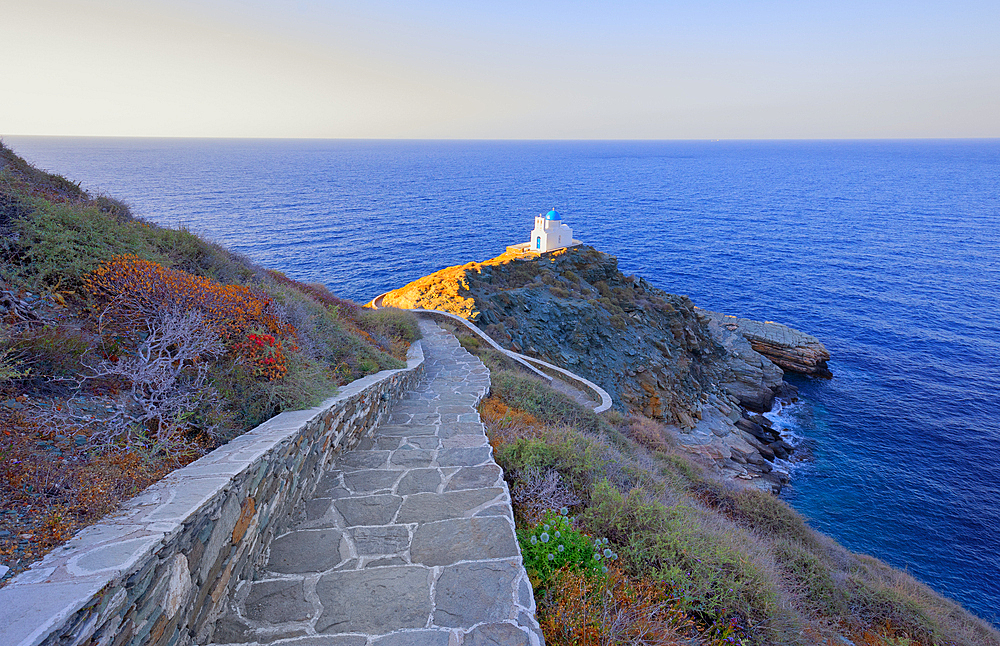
[[511, 69]]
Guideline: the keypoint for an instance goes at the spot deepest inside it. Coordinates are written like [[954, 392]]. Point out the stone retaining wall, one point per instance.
[[161, 570]]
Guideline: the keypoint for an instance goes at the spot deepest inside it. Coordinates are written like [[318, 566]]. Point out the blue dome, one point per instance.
[[553, 215]]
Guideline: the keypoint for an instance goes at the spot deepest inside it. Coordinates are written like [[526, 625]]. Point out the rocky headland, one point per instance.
[[707, 377]]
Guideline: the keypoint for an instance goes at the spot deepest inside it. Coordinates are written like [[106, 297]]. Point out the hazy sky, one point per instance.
[[581, 69]]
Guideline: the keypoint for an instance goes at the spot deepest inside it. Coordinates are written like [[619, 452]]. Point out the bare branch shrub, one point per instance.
[[245, 319], [18, 312], [537, 492], [165, 386]]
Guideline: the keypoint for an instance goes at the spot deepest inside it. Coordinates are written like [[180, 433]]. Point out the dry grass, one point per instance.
[[51, 485], [647, 433], [616, 609]]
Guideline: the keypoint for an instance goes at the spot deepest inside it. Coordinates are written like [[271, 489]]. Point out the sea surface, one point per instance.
[[888, 251]]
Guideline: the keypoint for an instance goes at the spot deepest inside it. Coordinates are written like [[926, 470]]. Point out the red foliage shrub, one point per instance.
[[264, 353], [246, 320]]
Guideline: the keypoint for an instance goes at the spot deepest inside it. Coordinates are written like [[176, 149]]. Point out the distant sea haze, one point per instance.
[[886, 250]]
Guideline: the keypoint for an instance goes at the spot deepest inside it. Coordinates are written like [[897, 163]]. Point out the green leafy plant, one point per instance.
[[554, 544]]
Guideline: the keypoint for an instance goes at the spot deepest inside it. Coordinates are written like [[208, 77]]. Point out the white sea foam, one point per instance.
[[785, 418]]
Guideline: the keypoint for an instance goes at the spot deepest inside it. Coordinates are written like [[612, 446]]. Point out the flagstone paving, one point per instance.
[[409, 539]]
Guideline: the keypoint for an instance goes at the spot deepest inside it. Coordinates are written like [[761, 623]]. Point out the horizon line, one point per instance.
[[507, 139]]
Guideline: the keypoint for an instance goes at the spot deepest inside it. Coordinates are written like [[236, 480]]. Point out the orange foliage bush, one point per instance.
[[504, 423], [615, 609], [247, 321]]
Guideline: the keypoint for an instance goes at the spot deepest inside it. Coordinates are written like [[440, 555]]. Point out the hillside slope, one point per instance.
[[685, 557], [689, 559]]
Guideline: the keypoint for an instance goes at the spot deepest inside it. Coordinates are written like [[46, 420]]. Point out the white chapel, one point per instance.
[[550, 233]]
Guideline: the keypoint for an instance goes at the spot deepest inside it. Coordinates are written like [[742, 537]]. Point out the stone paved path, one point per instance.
[[409, 538]]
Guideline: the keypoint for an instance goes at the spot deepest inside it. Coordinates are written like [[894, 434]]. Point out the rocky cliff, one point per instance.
[[654, 352], [786, 347]]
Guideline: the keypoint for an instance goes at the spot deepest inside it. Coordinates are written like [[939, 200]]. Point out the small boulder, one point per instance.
[[781, 448]]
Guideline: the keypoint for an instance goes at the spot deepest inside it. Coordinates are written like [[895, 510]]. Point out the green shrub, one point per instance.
[[469, 342], [577, 459], [60, 243], [495, 361], [614, 417], [687, 471], [324, 338], [251, 401], [390, 322], [184, 250], [812, 578], [115, 208], [534, 396], [708, 570], [553, 544], [756, 509]]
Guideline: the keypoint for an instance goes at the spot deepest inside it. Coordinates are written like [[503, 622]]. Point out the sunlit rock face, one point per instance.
[[655, 352]]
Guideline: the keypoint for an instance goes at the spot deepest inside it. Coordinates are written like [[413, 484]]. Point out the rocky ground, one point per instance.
[[703, 375]]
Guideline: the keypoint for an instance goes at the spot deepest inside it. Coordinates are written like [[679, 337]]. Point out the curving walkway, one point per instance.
[[409, 539], [537, 366]]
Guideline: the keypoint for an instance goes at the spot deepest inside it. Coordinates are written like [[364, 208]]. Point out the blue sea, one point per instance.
[[888, 251]]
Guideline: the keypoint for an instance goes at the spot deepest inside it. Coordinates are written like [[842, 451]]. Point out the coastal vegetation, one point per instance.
[[697, 559], [129, 349]]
